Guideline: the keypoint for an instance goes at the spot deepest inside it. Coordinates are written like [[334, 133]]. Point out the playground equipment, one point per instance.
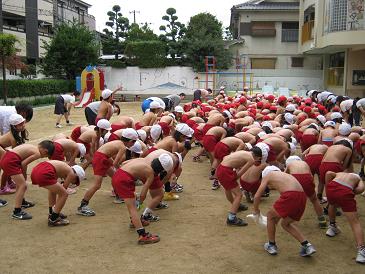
[[92, 83]]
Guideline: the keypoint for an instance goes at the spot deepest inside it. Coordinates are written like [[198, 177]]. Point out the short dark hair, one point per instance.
[[209, 90], [48, 145], [257, 151], [182, 94], [26, 109], [230, 132], [267, 129], [156, 166], [344, 142]]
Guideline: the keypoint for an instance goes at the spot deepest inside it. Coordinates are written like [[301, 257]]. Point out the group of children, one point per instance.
[[251, 142]]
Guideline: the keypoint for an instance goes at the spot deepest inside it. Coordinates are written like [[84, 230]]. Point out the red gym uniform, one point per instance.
[[341, 195], [44, 174], [307, 141], [165, 128], [116, 127], [57, 153], [209, 142], [291, 204], [101, 163], [11, 164], [314, 162], [328, 166], [307, 183], [123, 184], [221, 150], [250, 187], [113, 137], [76, 133], [227, 177]]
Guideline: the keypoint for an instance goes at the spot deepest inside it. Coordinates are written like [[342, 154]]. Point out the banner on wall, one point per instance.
[[355, 14]]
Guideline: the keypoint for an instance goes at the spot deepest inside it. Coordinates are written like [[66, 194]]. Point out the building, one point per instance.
[[269, 30], [33, 21], [335, 29]]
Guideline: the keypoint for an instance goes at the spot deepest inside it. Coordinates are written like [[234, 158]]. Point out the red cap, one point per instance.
[[307, 109], [266, 118], [336, 109], [197, 102], [271, 97], [308, 101], [259, 104], [273, 108], [243, 100], [282, 98], [187, 107], [267, 106]]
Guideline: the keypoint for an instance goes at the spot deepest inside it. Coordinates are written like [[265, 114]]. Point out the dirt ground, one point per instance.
[[194, 236]]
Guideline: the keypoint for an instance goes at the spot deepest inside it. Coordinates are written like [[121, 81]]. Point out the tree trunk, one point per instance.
[[5, 91]]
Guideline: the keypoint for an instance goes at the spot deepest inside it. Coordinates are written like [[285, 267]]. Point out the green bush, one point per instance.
[[28, 88], [47, 100], [114, 63], [146, 54]]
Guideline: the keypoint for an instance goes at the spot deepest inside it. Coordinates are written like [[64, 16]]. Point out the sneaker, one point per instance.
[[360, 258], [242, 207], [58, 222], [248, 195], [3, 203], [138, 183], [332, 231], [179, 185], [69, 124], [85, 211], [323, 200], [7, 190], [22, 215], [307, 250], [143, 221], [322, 223], [215, 185], [236, 222], [71, 191], [27, 204], [118, 200], [162, 205], [272, 249], [11, 184], [62, 216], [151, 218], [148, 238], [169, 196], [176, 189], [58, 126], [112, 193]]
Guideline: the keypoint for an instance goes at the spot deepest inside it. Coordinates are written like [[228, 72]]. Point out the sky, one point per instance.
[[151, 11]]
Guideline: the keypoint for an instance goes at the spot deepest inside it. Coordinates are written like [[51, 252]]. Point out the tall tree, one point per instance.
[[72, 48], [119, 26], [173, 32], [204, 37], [7, 50], [141, 33]]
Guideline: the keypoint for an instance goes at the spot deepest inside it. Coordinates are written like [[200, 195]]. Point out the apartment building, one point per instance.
[[33, 21], [335, 29]]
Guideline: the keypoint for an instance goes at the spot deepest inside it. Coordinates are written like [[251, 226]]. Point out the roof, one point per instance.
[[263, 5]]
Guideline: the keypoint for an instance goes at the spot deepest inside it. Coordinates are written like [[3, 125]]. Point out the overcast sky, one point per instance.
[[151, 11]]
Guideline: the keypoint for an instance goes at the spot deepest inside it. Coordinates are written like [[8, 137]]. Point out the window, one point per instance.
[[297, 62], [338, 14], [245, 29], [289, 31], [263, 29], [335, 73], [263, 63]]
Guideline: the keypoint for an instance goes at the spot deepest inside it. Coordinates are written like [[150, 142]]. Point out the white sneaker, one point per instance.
[[360, 258], [332, 231], [58, 126]]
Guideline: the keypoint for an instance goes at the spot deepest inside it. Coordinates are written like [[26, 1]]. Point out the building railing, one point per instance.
[[14, 28], [307, 31], [289, 35]]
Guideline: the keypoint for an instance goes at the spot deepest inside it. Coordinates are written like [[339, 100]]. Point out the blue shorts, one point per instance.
[[146, 105]]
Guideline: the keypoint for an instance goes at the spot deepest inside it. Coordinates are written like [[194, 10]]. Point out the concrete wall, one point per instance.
[[355, 61], [17, 7], [46, 13]]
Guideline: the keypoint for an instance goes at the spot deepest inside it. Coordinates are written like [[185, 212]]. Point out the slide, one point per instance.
[[87, 98]]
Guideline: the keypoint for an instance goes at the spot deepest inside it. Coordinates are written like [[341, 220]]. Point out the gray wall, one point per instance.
[[31, 24]]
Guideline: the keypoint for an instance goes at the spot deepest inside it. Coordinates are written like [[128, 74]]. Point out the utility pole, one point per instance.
[[134, 15]]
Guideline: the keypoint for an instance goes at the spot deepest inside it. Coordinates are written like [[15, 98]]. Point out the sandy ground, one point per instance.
[[194, 236]]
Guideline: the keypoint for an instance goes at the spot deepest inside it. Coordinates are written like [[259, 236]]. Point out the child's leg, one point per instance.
[[52, 197], [57, 190], [237, 197], [95, 187], [272, 220], [156, 195], [4, 180], [292, 229], [229, 196], [316, 205], [133, 213], [332, 213], [21, 187], [59, 119], [353, 219]]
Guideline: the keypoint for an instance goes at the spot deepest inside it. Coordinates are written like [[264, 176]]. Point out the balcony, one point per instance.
[[307, 31], [289, 35], [263, 32]]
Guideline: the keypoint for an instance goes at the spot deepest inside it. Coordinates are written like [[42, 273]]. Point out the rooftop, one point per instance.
[[263, 5]]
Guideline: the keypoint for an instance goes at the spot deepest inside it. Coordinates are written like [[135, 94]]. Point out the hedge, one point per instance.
[[43, 101], [28, 88], [146, 54]]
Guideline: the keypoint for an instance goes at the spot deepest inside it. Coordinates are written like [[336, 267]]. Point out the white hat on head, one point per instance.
[[179, 157], [290, 108], [222, 88], [179, 109], [344, 129], [16, 119], [104, 124], [264, 151], [130, 133], [330, 124], [172, 116], [293, 140], [311, 92], [155, 132], [267, 124], [82, 149], [292, 159], [136, 148], [80, 172], [268, 170], [249, 146], [292, 148], [321, 118], [101, 141], [336, 115], [184, 129], [142, 134], [314, 125], [106, 93], [289, 118], [166, 161], [154, 105], [261, 134], [229, 115]]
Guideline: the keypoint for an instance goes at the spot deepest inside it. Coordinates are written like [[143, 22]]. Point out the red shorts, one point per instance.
[[87, 145], [76, 133], [250, 187], [206, 128], [138, 126], [58, 152], [341, 196], [328, 166], [327, 143], [156, 184], [44, 174], [227, 177], [123, 184], [307, 141], [184, 118], [192, 123], [198, 134], [101, 163], [307, 183], [116, 127], [165, 128], [298, 135], [358, 145], [291, 204], [209, 142], [272, 154], [113, 137], [221, 150], [151, 149], [11, 164], [314, 162]]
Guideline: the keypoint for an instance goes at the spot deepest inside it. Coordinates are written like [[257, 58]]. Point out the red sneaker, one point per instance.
[[148, 238]]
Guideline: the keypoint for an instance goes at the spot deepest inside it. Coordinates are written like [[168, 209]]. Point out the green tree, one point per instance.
[[141, 33], [72, 48], [119, 26], [174, 31], [204, 37], [7, 50]]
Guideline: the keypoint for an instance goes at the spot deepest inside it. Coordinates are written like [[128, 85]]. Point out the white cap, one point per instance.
[[82, 149], [179, 109], [222, 87], [166, 161], [221, 91], [106, 93], [154, 105], [261, 134], [172, 116], [155, 132], [293, 140], [311, 92], [321, 118], [136, 148], [264, 151], [248, 145], [104, 124], [290, 108], [101, 141], [330, 124], [80, 172], [130, 133], [336, 115], [344, 129], [292, 148], [289, 118], [228, 114], [142, 134], [267, 124], [184, 129], [268, 170], [315, 125], [107, 136], [179, 157], [291, 159], [16, 119]]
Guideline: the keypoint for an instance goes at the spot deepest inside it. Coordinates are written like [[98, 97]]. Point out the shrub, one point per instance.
[[146, 54], [47, 100]]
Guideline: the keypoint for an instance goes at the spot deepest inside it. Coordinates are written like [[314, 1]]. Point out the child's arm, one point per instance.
[[257, 198], [120, 157], [146, 185], [360, 187], [248, 164]]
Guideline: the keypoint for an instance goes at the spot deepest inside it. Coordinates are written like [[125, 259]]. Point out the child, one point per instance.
[[69, 149], [250, 180], [289, 207], [45, 174], [327, 134], [341, 190], [62, 107]]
